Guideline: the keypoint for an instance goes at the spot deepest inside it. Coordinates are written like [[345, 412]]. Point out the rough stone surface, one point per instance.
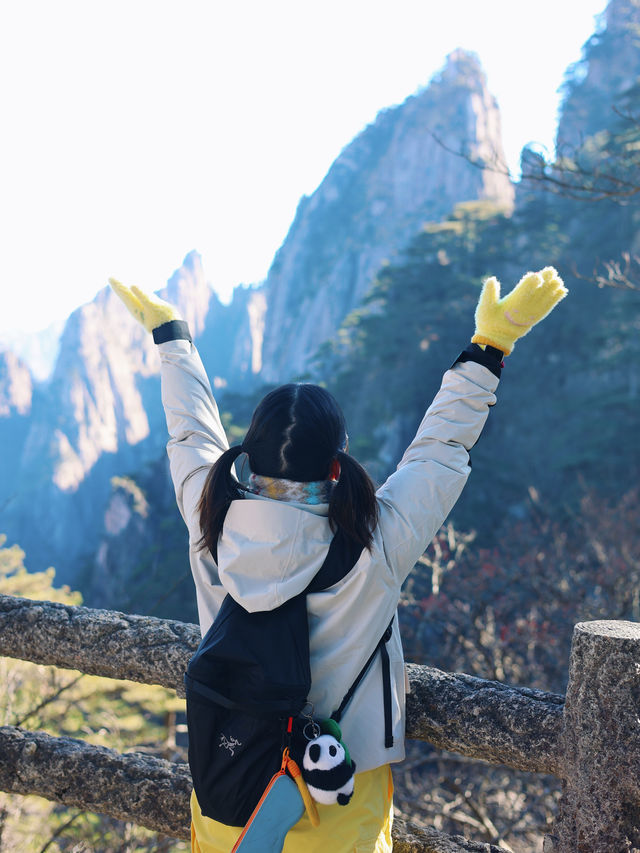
[[516, 726], [597, 753], [484, 719], [148, 791], [409, 839], [98, 642], [600, 807]]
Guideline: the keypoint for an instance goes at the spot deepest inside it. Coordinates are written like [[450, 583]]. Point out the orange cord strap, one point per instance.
[[296, 775]]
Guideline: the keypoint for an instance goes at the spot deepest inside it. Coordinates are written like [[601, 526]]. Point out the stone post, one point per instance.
[[599, 811]]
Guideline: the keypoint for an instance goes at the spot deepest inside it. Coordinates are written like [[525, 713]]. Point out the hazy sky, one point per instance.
[[136, 130]]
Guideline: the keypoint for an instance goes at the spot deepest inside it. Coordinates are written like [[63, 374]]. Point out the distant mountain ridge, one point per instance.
[[38, 350]]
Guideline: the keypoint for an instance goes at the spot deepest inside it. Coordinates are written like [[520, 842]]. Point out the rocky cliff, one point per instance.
[[37, 350], [16, 399], [16, 386], [91, 416], [100, 415], [395, 176], [101, 398], [596, 87], [140, 559]]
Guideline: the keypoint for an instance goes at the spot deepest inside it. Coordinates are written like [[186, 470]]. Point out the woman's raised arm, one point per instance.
[[419, 495], [197, 437]]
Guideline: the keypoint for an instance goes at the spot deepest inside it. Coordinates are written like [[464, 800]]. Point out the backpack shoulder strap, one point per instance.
[[341, 557], [386, 686]]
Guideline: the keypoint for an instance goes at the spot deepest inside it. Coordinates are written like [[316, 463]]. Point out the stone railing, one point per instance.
[[590, 738]]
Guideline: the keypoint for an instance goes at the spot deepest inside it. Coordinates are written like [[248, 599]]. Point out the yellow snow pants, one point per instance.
[[363, 826]]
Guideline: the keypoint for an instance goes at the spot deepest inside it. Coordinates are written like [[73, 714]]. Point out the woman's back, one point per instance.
[[270, 547]]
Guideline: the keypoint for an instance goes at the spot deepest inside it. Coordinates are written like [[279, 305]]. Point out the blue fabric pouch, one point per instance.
[[280, 807]]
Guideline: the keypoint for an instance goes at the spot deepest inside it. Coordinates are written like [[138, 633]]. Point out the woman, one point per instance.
[[263, 541]]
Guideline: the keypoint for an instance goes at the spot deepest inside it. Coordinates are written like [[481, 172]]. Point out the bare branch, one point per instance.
[[623, 273], [60, 830], [496, 166], [482, 818], [568, 176], [48, 700]]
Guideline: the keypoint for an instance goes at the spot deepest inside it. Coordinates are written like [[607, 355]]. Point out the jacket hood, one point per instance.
[[270, 550]]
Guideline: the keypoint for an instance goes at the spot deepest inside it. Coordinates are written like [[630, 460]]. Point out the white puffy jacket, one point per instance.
[[270, 550]]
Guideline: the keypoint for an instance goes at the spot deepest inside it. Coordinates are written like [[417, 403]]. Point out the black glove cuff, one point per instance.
[[174, 330], [490, 357]]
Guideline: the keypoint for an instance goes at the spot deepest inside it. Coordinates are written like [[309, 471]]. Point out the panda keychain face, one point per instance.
[[328, 771]]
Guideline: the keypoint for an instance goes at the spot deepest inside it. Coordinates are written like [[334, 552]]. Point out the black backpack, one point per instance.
[[246, 687]]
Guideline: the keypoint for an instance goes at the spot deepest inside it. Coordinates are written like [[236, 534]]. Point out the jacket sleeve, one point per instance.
[[197, 437], [418, 496]]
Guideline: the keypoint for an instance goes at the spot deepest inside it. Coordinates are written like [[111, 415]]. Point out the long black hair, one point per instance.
[[296, 433]]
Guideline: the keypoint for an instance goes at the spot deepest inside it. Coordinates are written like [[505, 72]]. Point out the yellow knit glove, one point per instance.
[[500, 322], [151, 311]]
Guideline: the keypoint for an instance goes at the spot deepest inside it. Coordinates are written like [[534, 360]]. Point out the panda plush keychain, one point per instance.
[[327, 767]]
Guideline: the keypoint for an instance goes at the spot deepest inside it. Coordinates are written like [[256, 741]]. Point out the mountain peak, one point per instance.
[[465, 62], [190, 292], [396, 175], [192, 260]]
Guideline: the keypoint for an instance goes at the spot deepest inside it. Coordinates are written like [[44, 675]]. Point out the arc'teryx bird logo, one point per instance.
[[229, 743]]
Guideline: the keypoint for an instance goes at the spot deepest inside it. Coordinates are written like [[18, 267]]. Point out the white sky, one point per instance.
[[133, 131]]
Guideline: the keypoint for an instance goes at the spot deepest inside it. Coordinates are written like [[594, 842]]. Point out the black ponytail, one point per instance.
[[220, 489], [353, 507], [296, 433]]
